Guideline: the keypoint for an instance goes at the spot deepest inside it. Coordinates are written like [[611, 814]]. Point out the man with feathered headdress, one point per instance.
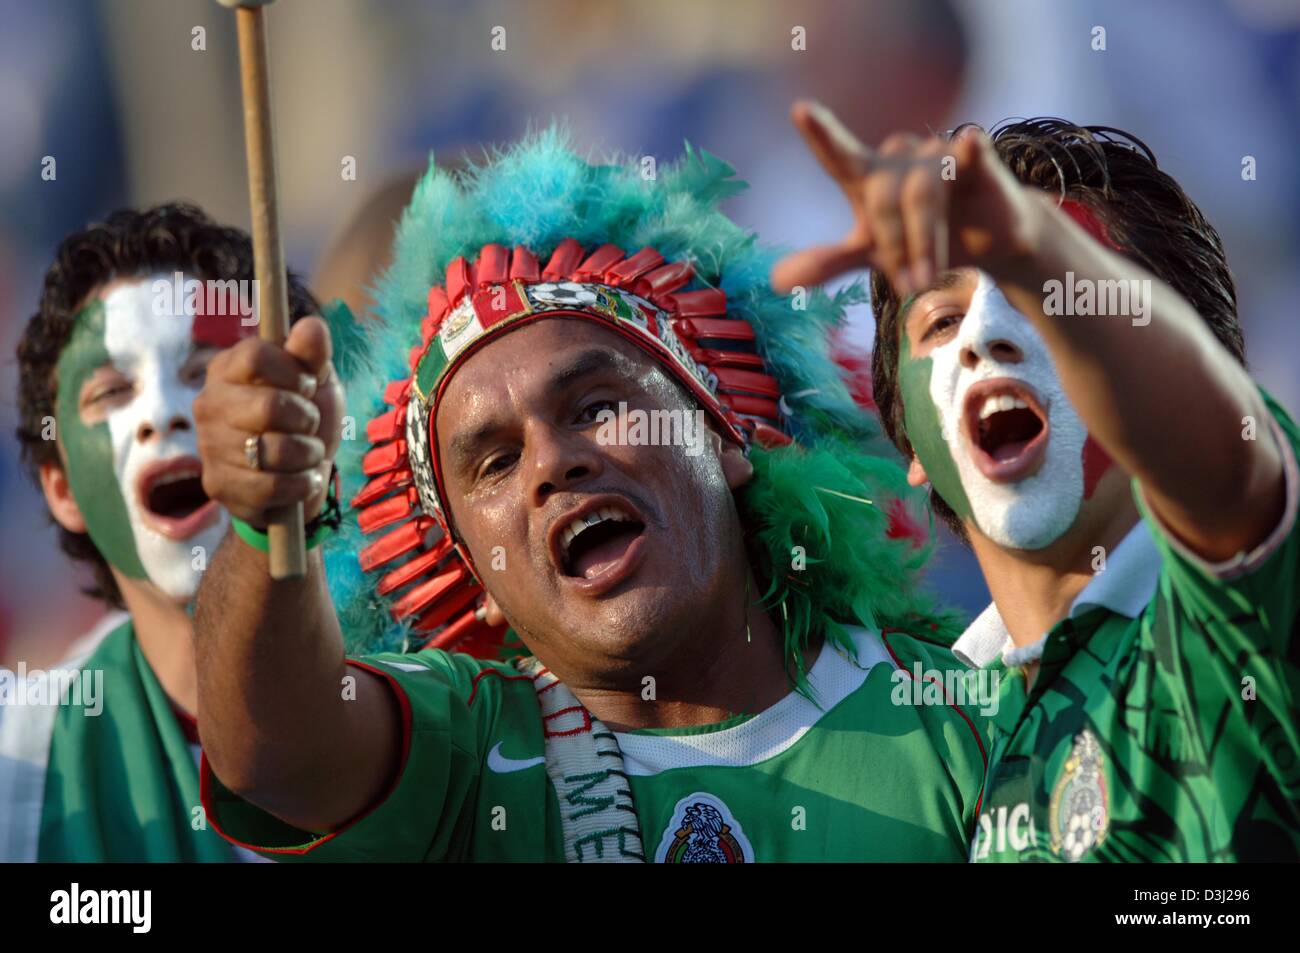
[[593, 422]]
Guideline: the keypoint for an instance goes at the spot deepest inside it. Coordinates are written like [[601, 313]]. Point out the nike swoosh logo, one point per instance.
[[500, 764], [405, 666]]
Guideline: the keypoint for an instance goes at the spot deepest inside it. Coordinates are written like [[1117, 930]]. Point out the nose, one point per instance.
[[148, 429], [992, 329], [998, 350], [559, 460]]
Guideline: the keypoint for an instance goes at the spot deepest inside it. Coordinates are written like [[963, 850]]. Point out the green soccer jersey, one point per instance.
[[96, 765], [1163, 723], [858, 777]]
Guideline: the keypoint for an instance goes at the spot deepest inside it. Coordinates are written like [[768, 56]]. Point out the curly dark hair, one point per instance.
[[1145, 212], [130, 242]]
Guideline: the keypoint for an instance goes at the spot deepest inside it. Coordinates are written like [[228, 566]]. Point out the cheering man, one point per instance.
[[1058, 356], [102, 763], [584, 396]]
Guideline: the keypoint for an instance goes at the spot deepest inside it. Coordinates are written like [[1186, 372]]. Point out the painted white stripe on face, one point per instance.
[[1032, 512], [150, 342]]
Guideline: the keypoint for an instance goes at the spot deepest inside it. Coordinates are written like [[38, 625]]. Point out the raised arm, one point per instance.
[[280, 726], [1157, 391]]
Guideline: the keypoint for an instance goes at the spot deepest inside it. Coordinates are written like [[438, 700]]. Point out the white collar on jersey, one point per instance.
[[832, 678], [1125, 587]]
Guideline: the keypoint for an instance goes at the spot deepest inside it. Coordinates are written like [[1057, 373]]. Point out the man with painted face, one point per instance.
[[131, 312], [579, 430], [1144, 608]]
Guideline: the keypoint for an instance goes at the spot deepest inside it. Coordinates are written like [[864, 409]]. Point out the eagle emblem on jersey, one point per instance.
[[703, 831], [1079, 812]]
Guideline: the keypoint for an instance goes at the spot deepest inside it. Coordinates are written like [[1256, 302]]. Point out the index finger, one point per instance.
[[840, 153], [815, 266]]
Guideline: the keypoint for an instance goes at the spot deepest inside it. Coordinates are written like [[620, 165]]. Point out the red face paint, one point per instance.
[[1089, 221], [1095, 464], [1095, 460], [222, 315]]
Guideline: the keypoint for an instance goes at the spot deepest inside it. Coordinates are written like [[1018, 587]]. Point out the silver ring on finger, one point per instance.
[[253, 451]]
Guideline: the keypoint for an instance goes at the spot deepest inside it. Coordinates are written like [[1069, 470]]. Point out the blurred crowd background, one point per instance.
[[133, 113]]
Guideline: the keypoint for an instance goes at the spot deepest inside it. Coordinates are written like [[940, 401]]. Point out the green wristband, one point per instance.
[[258, 540]]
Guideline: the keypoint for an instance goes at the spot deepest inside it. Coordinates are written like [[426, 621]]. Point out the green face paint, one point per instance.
[[92, 475], [921, 417]]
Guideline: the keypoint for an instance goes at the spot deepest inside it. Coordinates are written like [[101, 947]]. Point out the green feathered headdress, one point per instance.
[[818, 511]]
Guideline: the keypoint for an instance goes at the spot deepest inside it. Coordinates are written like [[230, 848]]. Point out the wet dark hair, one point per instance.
[[1144, 211], [129, 243]]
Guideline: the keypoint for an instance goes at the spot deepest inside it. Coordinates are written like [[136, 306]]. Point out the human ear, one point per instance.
[[492, 613], [59, 498], [736, 467], [916, 474]]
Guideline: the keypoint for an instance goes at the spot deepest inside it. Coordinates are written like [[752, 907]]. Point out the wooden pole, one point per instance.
[[288, 554]]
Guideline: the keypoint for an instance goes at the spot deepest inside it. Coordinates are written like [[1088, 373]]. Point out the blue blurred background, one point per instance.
[[134, 112]]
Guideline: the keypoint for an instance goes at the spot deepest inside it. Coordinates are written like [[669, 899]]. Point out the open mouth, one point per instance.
[[1007, 429], [599, 543], [172, 498]]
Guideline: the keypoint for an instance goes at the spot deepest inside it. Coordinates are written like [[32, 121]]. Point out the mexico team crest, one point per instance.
[[1079, 812], [703, 830]]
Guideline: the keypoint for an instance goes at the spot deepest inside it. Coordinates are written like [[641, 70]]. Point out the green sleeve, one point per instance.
[[418, 819], [1225, 634], [959, 722]]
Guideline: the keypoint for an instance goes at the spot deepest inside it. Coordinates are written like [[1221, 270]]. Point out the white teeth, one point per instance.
[[996, 403], [176, 476], [591, 519]]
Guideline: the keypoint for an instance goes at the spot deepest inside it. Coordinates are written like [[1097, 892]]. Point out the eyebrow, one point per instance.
[[463, 444], [597, 360], [945, 282], [589, 362]]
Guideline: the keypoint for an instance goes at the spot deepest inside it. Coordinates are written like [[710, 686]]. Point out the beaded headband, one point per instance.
[[428, 573]]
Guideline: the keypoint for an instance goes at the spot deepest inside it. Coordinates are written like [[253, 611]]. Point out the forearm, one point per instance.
[[1158, 392], [278, 726]]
